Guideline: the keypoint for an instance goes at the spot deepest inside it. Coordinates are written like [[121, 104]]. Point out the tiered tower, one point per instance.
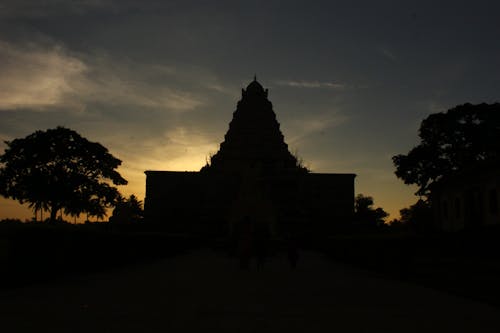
[[254, 139]]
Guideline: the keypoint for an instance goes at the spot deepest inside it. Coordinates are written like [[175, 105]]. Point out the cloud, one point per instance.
[[35, 77], [386, 53], [314, 124], [44, 77], [126, 83], [179, 148], [310, 84], [47, 8]]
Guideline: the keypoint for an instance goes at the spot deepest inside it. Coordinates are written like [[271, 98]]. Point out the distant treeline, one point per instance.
[[40, 252]]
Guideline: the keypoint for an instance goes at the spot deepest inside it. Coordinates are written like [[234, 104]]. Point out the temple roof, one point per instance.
[[255, 88]]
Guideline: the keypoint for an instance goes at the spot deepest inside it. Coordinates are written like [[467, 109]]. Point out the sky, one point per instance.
[[156, 82]]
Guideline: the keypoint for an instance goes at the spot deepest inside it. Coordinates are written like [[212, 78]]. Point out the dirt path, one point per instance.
[[206, 292]]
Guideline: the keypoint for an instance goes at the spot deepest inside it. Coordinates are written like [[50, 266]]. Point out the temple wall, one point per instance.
[[207, 202], [329, 199]]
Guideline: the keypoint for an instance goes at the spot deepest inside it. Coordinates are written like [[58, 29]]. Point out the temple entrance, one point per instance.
[[253, 240]]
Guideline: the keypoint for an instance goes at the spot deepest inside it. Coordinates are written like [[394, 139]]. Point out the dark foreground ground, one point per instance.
[[205, 291]]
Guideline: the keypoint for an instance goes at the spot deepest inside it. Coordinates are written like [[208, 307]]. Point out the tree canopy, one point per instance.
[[58, 169], [450, 142], [127, 210], [365, 214], [418, 216]]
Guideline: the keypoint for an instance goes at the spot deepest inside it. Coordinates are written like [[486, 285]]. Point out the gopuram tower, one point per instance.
[[252, 184], [254, 139]]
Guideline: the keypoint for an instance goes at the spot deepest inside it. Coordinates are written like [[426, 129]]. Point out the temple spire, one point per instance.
[[254, 136], [254, 89]]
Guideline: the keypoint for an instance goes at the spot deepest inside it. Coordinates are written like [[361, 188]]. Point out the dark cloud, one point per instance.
[[53, 8]]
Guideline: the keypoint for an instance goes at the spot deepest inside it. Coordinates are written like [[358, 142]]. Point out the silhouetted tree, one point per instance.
[[127, 210], [58, 169], [451, 142], [97, 207], [365, 214], [417, 216]]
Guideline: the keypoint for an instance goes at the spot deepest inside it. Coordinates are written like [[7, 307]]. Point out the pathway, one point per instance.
[[205, 291]]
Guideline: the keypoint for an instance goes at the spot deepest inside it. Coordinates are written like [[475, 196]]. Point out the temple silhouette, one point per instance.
[[252, 184]]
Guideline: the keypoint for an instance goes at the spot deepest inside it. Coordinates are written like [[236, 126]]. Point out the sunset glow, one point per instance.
[[157, 84]]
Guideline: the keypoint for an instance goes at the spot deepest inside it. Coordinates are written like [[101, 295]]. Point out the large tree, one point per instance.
[[58, 169], [450, 142]]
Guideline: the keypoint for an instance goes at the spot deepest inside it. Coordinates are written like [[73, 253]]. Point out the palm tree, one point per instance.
[[127, 210]]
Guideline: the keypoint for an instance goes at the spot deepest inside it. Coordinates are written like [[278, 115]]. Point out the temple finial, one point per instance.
[[255, 77]]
